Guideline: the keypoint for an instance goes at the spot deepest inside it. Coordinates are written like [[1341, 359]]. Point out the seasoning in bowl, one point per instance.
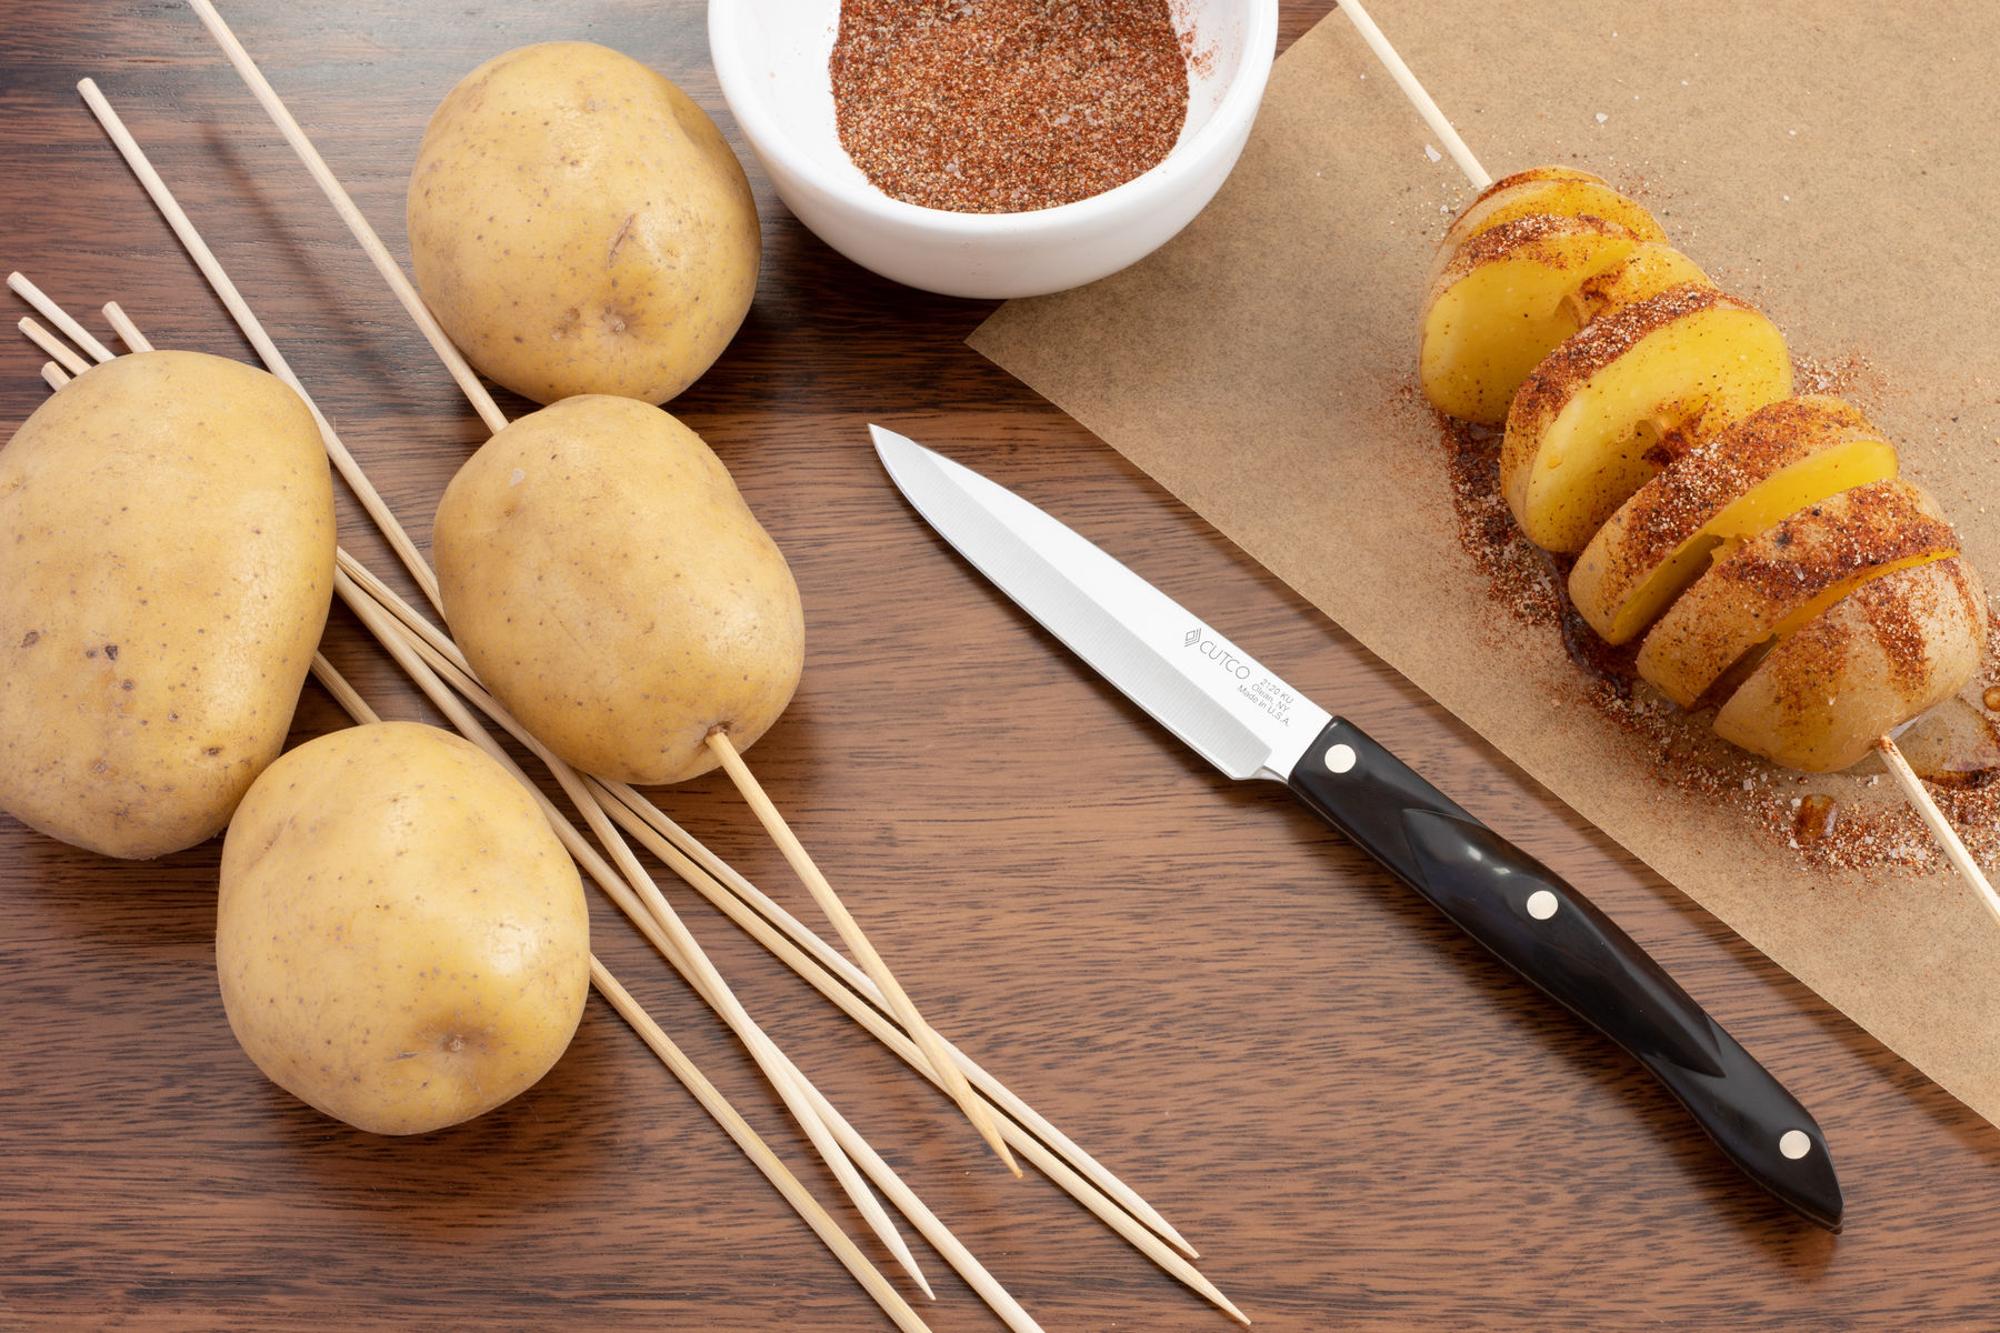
[[1005, 106]]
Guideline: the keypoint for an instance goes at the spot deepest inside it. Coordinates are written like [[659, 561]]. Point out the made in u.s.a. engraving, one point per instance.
[[1264, 690]]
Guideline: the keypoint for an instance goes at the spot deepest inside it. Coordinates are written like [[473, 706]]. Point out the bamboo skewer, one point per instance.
[[711, 1100], [482, 402], [57, 316], [54, 346], [128, 332], [54, 375], [1433, 115], [708, 874], [357, 223], [1954, 849], [1912, 786], [732, 1013], [239, 310], [685, 954], [650, 924], [1099, 1177], [759, 913], [859, 945], [443, 657]]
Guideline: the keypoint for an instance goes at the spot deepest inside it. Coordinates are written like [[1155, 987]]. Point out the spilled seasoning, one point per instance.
[[1854, 820], [1001, 106]]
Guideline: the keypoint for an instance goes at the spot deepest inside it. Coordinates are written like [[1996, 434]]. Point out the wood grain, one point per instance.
[[1353, 1112]]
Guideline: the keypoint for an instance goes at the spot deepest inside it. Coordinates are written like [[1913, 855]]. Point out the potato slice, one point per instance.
[[1782, 458], [1548, 192], [1895, 648], [1782, 578], [1615, 403], [1649, 270], [1503, 302]]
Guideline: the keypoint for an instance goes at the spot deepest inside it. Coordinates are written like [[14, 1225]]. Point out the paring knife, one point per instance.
[[1250, 724]]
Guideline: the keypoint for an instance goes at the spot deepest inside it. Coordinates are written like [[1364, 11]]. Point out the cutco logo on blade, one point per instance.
[[1215, 652]]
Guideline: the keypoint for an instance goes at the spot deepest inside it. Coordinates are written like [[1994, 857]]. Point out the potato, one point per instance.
[[164, 582], [1651, 268], [1504, 301], [401, 941], [1614, 404], [1893, 649], [1784, 457], [605, 578], [1546, 192], [1787, 575], [579, 226]]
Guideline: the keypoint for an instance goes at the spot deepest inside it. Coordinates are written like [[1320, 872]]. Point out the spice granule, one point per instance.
[[1002, 106]]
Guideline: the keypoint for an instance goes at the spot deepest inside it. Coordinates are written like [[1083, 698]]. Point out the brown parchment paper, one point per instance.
[[1838, 164]]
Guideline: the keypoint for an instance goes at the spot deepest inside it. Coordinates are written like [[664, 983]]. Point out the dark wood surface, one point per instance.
[[1353, 1112]]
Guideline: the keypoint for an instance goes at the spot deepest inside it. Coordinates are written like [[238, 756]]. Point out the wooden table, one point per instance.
[[1355, 1114]]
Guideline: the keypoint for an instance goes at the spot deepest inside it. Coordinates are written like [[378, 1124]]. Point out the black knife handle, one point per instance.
[[1554, 937]]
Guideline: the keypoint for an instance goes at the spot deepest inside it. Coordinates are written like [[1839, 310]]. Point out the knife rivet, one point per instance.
[[1542, 904], [1340, 758], [1795, 1143]]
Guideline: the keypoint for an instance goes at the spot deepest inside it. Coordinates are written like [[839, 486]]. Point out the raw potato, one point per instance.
[[604, 576], [1617, 402], [1782, 458], [1787, 575], [1894, 649], [579, 226], [402, 942], [164, 582], [1503, 302]]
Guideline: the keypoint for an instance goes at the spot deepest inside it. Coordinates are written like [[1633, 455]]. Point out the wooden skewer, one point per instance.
[[443, 657], [54, 346], [796, 1194], [54, 375], [128, 332], [742, 901], [858, 943], [905, 1199], [1955, 850], [239, 310], [1427, 108], [57, 316], [489, 412], [1059, 1171], [718, 1107], [760, 1046], [385, 263], [738, 1129], [686, 952]]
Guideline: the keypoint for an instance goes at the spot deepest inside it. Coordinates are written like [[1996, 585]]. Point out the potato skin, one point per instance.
[[1884, 654], [605, 578], [401, 941], [165, 582], [580, 226]]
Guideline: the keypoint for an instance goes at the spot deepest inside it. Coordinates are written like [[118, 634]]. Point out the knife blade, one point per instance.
[[1246, 721]]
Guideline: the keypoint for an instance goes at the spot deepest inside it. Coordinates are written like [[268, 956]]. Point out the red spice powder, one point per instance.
[[1003, 106]]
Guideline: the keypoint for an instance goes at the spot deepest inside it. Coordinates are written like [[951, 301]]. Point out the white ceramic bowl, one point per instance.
[[771, 58]]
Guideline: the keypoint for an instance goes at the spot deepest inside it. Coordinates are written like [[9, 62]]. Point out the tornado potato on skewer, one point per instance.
[[1760, 547]]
